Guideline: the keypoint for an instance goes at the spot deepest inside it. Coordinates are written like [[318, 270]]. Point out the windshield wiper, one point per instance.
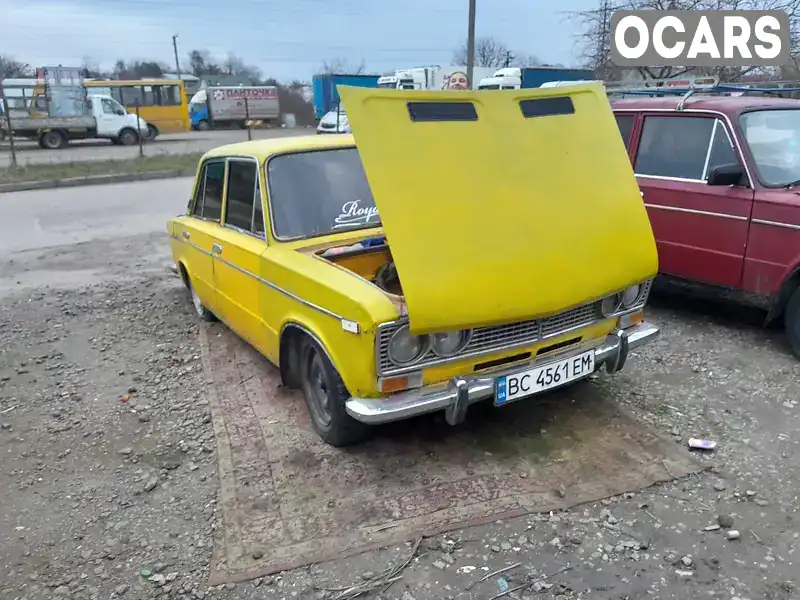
[[792, 184]]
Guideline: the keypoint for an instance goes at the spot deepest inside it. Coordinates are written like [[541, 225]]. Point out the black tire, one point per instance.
[[52, 140], [325, 395], [791, 319], [203, 126], [152, 132], [199, 307], [128, 137]]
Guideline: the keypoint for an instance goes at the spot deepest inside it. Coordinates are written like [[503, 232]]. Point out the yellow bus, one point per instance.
[[162, 102]]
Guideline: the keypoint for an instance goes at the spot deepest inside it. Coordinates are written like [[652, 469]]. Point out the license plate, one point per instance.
[[512, 387]]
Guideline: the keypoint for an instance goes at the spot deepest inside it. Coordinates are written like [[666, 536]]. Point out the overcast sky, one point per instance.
[[286, 39]]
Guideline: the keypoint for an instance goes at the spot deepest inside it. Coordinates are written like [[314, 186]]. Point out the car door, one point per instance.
[[198, 228], [701, 230], [109, 122], [237, 248]]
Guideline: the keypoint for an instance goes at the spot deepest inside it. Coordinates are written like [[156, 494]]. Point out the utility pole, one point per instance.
[[509, 58], [175, 48], [471, 42], [603, 41]]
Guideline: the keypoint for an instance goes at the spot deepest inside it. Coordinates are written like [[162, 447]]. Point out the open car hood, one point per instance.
[[501, 206]]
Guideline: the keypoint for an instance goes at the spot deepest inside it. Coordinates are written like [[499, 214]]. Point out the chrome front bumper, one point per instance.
[[455, 396]]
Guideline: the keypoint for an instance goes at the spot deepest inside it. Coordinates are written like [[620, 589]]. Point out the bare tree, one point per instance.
[[341, 65], [236, 66], [524, 60], [10, 68], [595, 40], [489, 52]]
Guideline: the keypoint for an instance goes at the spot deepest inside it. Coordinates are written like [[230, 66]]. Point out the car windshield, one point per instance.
[[319, 192], [774, 140]]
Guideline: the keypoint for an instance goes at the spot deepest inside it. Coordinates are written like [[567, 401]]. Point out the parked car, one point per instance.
[[334, 121], [720, 182], [413, 268]]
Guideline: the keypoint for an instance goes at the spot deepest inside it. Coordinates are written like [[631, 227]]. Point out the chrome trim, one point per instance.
[[455, 395], [777, 224], [666, 178], [537, 325], [730, 129], [309, 333], [696, 212], [704, 175], [264, 281]]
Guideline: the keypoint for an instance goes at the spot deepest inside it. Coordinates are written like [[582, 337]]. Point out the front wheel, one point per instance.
[[152, 133], [203, 126], [128, 137], [326, 394], [792, 322]]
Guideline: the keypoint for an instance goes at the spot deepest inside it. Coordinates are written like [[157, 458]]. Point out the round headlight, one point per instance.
[[631, 295], [404, 347], [610, 304], [449, 343]]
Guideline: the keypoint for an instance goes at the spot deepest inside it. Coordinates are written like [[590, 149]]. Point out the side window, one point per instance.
[[242, 177], [625, 124], [148, 96], [109, 108], [167, 95], [131, 95], [674, 146], [208, 201], [722, 151]]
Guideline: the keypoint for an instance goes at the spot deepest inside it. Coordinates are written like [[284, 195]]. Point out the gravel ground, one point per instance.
[[111, 490]]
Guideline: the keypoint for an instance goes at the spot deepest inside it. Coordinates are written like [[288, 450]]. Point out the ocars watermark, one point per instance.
[[700, 38]]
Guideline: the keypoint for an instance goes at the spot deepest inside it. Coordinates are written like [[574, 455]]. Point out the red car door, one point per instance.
[[700, 230]]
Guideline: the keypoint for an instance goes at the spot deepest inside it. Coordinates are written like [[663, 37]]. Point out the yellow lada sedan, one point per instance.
[[458, 247]]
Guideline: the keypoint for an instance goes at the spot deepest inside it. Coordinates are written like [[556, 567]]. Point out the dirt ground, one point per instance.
[[114, 483]]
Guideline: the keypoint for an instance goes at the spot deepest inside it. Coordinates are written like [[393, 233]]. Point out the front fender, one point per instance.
[[352, 355]]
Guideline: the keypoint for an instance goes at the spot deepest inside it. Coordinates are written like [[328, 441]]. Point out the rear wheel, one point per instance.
[[203, 126], [792, 322], [52, 140], [199, 307], [326, 394]]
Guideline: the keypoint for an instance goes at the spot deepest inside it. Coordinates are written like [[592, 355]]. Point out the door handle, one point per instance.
[[186, 235], [216, 248]]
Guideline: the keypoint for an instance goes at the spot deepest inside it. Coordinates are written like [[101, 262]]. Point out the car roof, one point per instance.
[[264, 149], [729, 105]]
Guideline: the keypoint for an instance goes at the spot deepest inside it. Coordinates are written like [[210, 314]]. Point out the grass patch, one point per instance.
[[147, 164]]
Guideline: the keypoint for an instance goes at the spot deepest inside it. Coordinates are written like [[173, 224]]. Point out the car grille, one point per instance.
[[496, 337]]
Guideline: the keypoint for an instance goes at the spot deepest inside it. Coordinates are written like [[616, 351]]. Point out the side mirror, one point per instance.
[[725, 175], [120, 112]]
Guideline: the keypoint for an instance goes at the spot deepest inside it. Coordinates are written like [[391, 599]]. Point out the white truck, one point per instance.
[[430, 78], [220, 106], [102, 117]]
